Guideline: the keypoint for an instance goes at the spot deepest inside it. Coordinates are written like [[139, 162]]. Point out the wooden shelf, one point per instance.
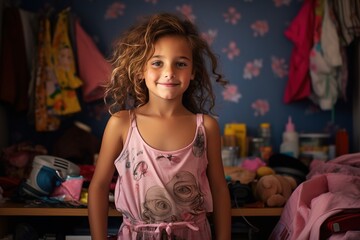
[[19, 209]]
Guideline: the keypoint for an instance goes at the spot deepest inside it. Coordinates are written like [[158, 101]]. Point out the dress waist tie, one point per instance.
[[166, 226]]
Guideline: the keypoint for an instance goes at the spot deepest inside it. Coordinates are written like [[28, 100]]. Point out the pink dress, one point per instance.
[[163, 194]]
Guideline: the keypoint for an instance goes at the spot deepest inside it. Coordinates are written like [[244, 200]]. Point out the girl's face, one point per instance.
[[170, 69]]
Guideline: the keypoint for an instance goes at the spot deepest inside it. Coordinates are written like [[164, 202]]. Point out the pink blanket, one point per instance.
[[331, 187]]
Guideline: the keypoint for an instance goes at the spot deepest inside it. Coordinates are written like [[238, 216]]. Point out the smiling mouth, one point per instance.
[[169, 84]]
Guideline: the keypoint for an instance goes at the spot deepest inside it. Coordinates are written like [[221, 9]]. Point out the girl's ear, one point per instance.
[[192, 76]]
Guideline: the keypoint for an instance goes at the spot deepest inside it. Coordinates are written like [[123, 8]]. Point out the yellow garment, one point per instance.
[[63, 98], [45, 119]]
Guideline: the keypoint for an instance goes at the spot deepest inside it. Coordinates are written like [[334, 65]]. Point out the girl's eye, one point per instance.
[[181, 64], [157, 64]]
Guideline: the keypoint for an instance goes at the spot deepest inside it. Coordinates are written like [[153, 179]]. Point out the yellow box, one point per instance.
[[239, 130]]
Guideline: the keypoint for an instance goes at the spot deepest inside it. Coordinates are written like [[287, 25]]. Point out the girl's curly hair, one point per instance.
[[126, 89]]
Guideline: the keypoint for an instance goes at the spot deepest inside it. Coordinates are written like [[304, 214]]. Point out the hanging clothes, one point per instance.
[[325, 59], [30, 22], [45, 118], [14, 69], [94, 70], [63, 98], [300, 32], [347, 14]]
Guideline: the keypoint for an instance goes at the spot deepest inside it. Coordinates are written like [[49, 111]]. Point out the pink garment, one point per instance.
[[163, 192], [252, 164], [69, 190], [331, 188], [300, 32], [94, 70]]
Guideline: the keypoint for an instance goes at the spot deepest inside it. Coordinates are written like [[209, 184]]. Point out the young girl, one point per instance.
[[161, 138]]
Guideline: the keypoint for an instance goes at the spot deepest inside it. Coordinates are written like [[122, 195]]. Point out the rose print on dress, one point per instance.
[[157, 206], [199, 144], [170, 157], [182, 191], [140, 170], [186, 192]]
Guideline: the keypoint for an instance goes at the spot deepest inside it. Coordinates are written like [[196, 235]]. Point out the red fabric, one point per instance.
[[94, 70], [9, 185], [14, 69], [300, 32], [340, 223]]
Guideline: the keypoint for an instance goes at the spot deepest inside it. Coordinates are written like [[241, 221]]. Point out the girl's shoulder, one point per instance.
[[211, 126], [123, 114], [210, 121], [118, 126], [119, 119]]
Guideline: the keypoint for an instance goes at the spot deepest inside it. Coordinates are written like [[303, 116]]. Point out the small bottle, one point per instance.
[[342, 142], [265, 133], [290, 144]]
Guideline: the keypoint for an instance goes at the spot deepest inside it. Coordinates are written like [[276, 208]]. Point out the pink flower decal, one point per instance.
[[252, 69], [186, 10], [232, 16], [152, 1], [231, 93], [260, 28], [115, 10], [232, 51], [261, 107], [279, 3], [209, 36], [279, 67]]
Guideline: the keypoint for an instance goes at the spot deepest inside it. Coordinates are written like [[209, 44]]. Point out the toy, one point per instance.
[[240, 174], [274, 190]]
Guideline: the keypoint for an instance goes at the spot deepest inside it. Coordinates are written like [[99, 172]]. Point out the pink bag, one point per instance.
[[69, 190]]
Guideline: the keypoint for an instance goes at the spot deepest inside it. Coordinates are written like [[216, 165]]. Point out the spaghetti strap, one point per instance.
[[199, 119], [132, 119]]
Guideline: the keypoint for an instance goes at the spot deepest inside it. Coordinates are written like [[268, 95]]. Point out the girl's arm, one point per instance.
[[219, 188], [98, 199]]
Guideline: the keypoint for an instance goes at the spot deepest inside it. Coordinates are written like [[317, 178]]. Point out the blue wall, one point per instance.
[[258, 95]]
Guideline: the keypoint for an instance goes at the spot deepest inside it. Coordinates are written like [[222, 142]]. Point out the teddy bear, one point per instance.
[[274, 190]]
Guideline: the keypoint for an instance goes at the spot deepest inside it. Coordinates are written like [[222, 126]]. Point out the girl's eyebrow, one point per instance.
[[180, 57]]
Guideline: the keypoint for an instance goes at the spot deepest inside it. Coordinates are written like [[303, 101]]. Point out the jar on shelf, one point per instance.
[[256, 145], [265, 133]]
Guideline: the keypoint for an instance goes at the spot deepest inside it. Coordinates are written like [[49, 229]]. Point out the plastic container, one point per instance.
[[290, 144], [255, 147], [265, 133], [314, 145], [229, 156]]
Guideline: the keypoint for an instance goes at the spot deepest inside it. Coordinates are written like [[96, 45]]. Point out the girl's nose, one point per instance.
[[169, 73]]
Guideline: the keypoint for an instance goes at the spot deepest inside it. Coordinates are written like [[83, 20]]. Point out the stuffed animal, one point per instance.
[[274, 190], [244, 176]]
